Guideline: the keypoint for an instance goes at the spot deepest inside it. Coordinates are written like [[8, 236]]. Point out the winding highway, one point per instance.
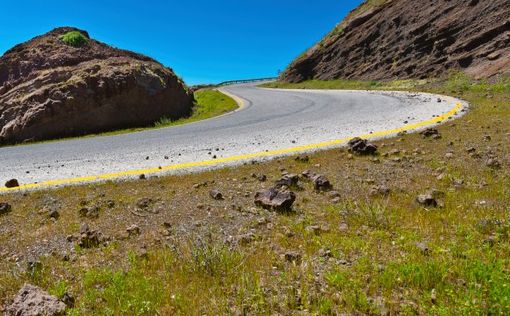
[[269, 123]]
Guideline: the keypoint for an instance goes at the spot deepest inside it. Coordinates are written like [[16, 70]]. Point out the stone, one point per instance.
[[321, 183], [13, 183], [362, 146], [90, 212], [288, 180], [275, 199], [133, 230], [90, 238], [430, 132], [33, 301], [293, 257], [427, 200], [144, 203], [216, 195], [493, 163], [302, 158], [5, 208]]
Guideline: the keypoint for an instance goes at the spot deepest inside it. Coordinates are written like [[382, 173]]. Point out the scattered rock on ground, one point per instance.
[[5, 208], [427, 200], [321, 183], [90, 211], [275, 200], [287, 180], [13, 183], [216, 195], [90, 238], [33, 301], [493, 163], [362, 146], [430, 132], [133, 230]]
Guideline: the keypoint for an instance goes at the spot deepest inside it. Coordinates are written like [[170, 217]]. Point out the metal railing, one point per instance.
[[227, 83]]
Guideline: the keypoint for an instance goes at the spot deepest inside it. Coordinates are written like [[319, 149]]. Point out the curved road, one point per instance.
[[269, 123]]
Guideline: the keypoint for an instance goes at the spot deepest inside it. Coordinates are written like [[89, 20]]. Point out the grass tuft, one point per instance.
[[74, 39]]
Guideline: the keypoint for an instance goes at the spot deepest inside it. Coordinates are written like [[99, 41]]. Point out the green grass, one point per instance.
[[465, 272], [347, 84], [209, 103], [74, 38]]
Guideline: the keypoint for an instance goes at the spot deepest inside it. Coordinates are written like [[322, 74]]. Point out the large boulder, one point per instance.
[[51, 88], [33, 301]]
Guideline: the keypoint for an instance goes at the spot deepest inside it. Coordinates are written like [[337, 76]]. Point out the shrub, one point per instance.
[[74, 38]]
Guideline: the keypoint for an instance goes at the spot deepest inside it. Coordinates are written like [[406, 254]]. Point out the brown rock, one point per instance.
[[288, 180], [321, 183], [13, 183], [49, 89], [362, 146], [33, 301], [411, 39], [215, 194], [275, 199], [5, 208]]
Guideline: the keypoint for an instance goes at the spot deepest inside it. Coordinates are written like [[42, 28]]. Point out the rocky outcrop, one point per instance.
[[411, 39], [51, 88]]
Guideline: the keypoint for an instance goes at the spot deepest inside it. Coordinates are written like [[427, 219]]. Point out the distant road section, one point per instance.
[[269, 123]]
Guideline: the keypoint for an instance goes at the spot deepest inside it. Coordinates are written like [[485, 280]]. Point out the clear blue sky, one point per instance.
[[202, 40]]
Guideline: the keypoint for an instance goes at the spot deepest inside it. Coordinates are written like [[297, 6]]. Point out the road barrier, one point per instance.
[[227, 83]]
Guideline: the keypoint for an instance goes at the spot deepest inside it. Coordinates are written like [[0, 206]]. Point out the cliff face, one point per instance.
[[412, 39], [53, 86]]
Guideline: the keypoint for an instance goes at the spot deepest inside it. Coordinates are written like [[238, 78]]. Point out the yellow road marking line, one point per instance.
[[276, 152]]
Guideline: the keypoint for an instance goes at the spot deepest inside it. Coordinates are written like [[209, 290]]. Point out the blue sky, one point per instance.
[[203, 41]]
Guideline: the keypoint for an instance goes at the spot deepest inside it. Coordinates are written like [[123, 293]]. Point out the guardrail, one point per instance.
[[227, 83]]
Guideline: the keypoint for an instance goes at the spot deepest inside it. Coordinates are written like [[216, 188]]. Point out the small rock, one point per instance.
[[32, 300], [54, 214], [362, 146], [430, 132], [133, 230], [68, 299], [245, 239], [90, 212], [303, 158], [275, 199], [90, 238], [321, 183], [424, 247], [144, 203], [142, 177], [380, 190], [288, 180], [293, 257], [427, 200], [13, 183], [493, 163], [216, 195], [449, 155], [5, 208]]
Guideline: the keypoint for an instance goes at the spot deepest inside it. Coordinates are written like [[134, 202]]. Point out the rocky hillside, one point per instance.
[[64, 84], [411, 39]]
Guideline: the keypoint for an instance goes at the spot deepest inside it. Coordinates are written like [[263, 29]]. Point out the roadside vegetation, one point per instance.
[[74, 38], [368, 247], [209, 104]]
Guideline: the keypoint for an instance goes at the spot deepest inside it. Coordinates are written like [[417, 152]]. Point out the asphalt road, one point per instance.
[[270, 120]]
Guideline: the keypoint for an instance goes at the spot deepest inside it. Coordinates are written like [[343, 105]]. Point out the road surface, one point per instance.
[[270, 123]]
